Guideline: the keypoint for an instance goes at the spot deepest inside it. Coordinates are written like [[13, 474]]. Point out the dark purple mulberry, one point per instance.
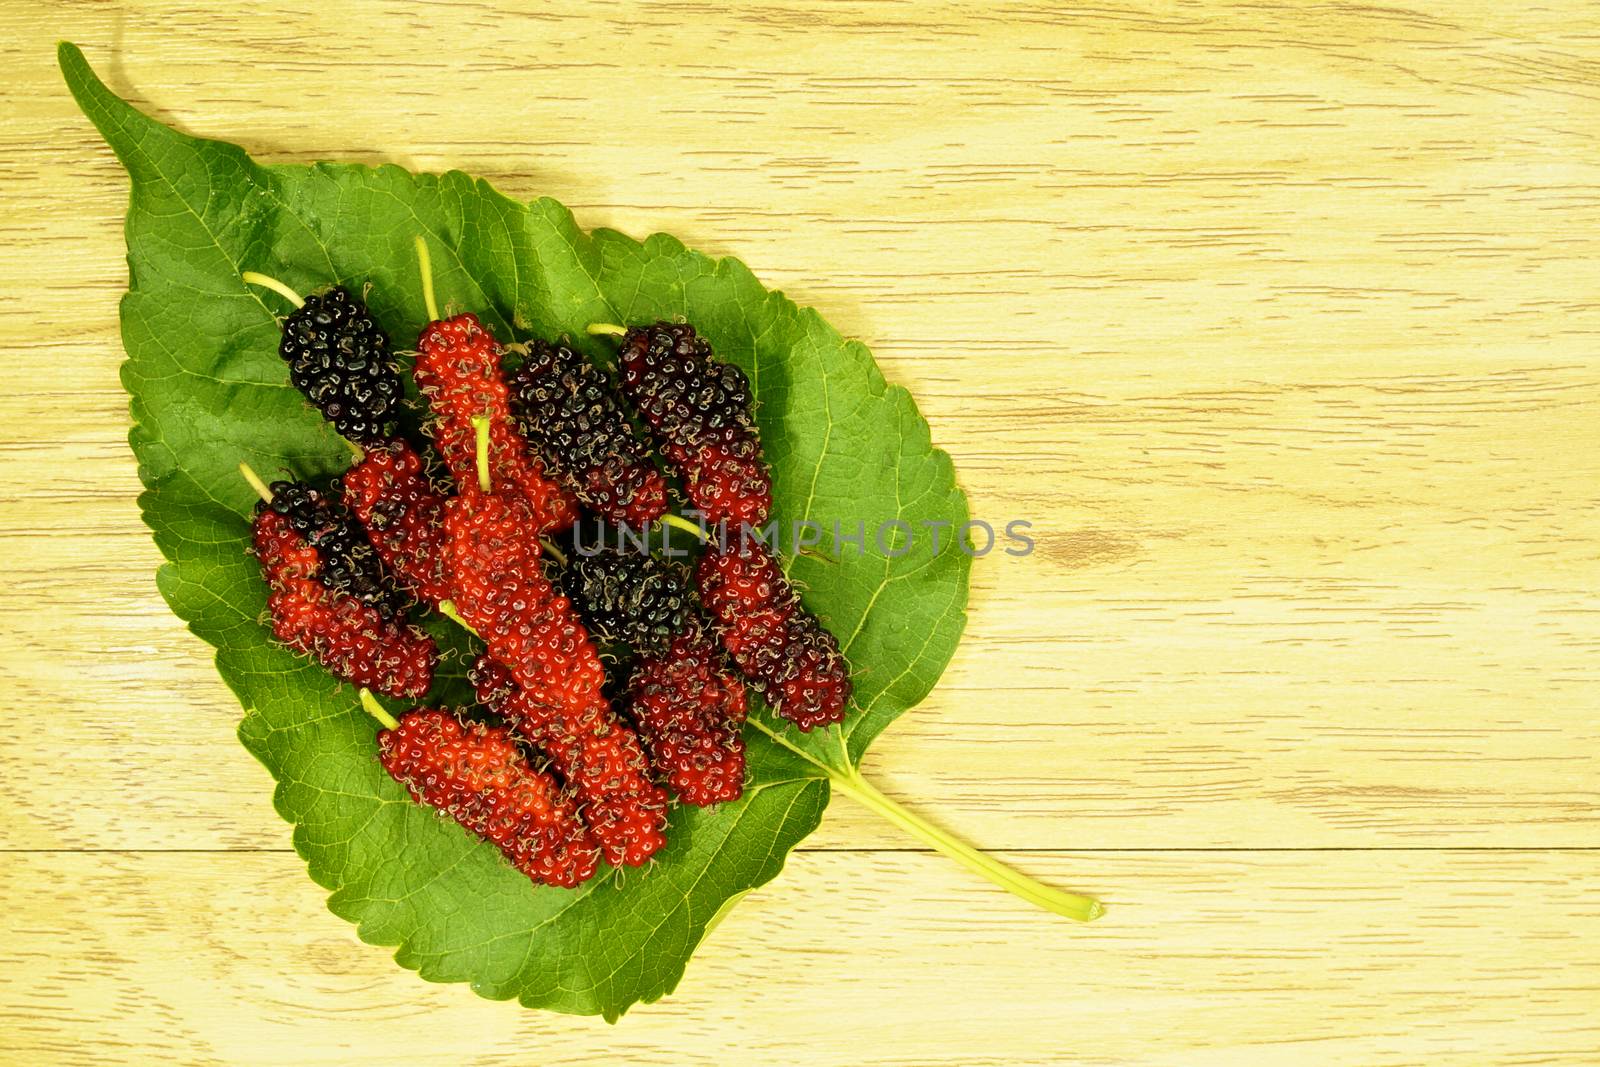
[[699, 411], [339, 358], [568, 410], [629, 597]]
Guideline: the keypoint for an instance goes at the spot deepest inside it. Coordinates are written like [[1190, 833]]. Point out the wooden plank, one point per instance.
[[850, 958], [1289, 366]]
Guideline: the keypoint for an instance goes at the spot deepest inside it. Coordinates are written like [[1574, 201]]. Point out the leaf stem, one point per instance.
[[682, 523], [605, 329], [255, 482], [480, 425], [425, 266], [268, 282], [1070, 905], [376, 710], [447, 608]]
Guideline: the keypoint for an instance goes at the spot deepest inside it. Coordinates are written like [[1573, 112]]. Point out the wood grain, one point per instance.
[[855, 958], [1278, 322]]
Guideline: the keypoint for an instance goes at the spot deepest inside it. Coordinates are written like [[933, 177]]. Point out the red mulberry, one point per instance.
[[346, 636], [699, 411], [689, 709], [779, 645], [477, 775], [596, 754], [569, 412], [499, 589], [458, 370], [543, 675], [403, 515]]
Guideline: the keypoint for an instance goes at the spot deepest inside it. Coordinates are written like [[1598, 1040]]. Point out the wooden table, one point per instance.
[[1280, 324]]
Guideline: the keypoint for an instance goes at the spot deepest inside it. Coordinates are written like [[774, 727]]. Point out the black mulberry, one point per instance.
[[339, 358], [629, 597], [568, 410]]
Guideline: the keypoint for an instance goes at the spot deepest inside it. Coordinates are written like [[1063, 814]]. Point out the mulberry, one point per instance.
[[773, 639], [345, 635], [492, 559], [543, 674], [339, 358], [348, 562], [689, 709], [595, 753], [699, 411], [570, 414], [458, 370], [629, 597], [478, 776], [403, 515]]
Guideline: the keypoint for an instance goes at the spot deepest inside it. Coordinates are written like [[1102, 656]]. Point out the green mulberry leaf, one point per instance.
[[208, 391]]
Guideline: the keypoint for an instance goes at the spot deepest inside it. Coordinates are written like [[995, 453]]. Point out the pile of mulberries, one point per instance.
[[553, 768]]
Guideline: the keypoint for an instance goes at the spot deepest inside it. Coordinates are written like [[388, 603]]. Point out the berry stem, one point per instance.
[[480, 424], [376, 710], [255, 482], [425, 266], [682, 523], [268, 282], [553, 552], [605, 329], [447, 608], [1069, 905]]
